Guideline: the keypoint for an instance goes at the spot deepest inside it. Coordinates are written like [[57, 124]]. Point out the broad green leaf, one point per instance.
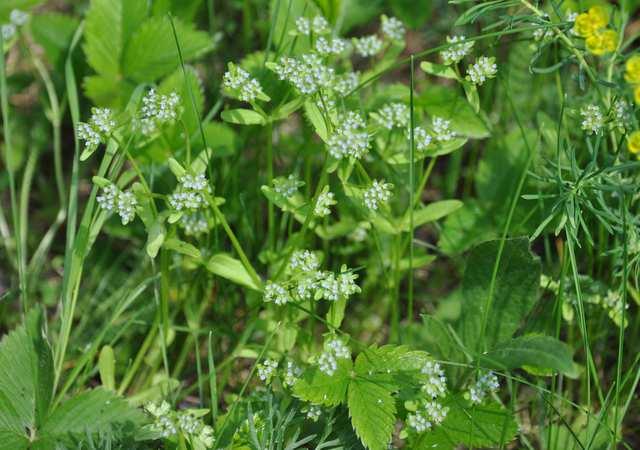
[[439, 70], [446, 102], [232, 269], [543, 353], [109, 25], [373, 412], [53, 32], [155, 238], [107, 367], [10, 440], [26, 376], [467, 227], [430, 213], [471, 426], [318, 388], [152, 53], [182, 247], [91, 412], [105, 90], [515, 291], [242, 117], [221, 140]]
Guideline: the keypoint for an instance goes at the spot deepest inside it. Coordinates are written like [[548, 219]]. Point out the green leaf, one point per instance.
[[438, 340], [414, 13], [221, 139], [318, 388], [430, 213], [472, 426], [26, 377], [314, 115], [107, 367], [373, 412], [242, 117], [467, 227], [53, 32], [232, 269], [91, 412], [515, 291], [439, 70], [10, 440], [109, 25], [182, 247], [152, 53], [155, 238], [544, 353], [6, 6]]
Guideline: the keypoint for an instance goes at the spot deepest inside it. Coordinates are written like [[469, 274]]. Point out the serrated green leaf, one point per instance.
[[10, 440], [318, 388], [545, 353], [515, 291], [373, 412], [242, 117], [232, 269], [109, 25], [152, 53]]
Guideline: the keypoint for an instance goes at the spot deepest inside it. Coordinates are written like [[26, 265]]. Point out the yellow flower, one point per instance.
[[633, 142], [632, 73], [602, 42], [587, 24]]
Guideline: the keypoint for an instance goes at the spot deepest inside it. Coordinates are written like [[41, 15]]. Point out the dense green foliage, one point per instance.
[[319, 224]]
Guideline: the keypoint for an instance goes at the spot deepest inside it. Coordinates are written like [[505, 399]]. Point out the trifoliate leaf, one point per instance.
[[319, 388]]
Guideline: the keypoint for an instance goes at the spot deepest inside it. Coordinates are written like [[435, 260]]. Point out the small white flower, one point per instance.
[[108, 199], [393, 28], [267, 369], [418, 421], [90, 136], [319, 25], [304, 260], [314, 412], [8, 31], [436, 412], [194, 224], [436, 383], [157, 110], [127, 207], [459, 48], [18, 18], [347, 284], [275, 293], [368, 45], [392, 115], [327, 363], [379, 192], [308, 74], [100, 126], [346, 83], [333, 46], [350, 138], [292, 373], [323, 204], [338, 348], [241, 84], [486, 383], [288, 186], [329, 287], [307, 285], [303, 26], [621, 114], [592, 119], [482, 70], [421, 138], [189, 195], [442, 129]]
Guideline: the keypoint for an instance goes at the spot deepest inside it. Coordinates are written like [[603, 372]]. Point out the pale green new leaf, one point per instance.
[[318, 388], [544, 353], [152, 53], [232, 269], [242, 117]]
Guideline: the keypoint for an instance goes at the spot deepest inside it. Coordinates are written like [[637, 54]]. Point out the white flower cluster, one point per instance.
[[273, 292], [194, 224], [430, 412], [291, 374], [287, 187], [614, 303], [241, 85], [378, 193], [267, 370], [157, 110], [334, 349], [392, 115], [304, 260], [333, 46], [17, 18], [435, 384], [442, 129], [392, 28], [323, 205], [482, 70], [308, 75], [346, 83], [421, 138], [350, 137], [101, 124], [458, 49], [189, 195], [318, 25], [313, 412], [368, 45], [592, 119], [168, 423], [485, 384], [621, 114], [113, 199]]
